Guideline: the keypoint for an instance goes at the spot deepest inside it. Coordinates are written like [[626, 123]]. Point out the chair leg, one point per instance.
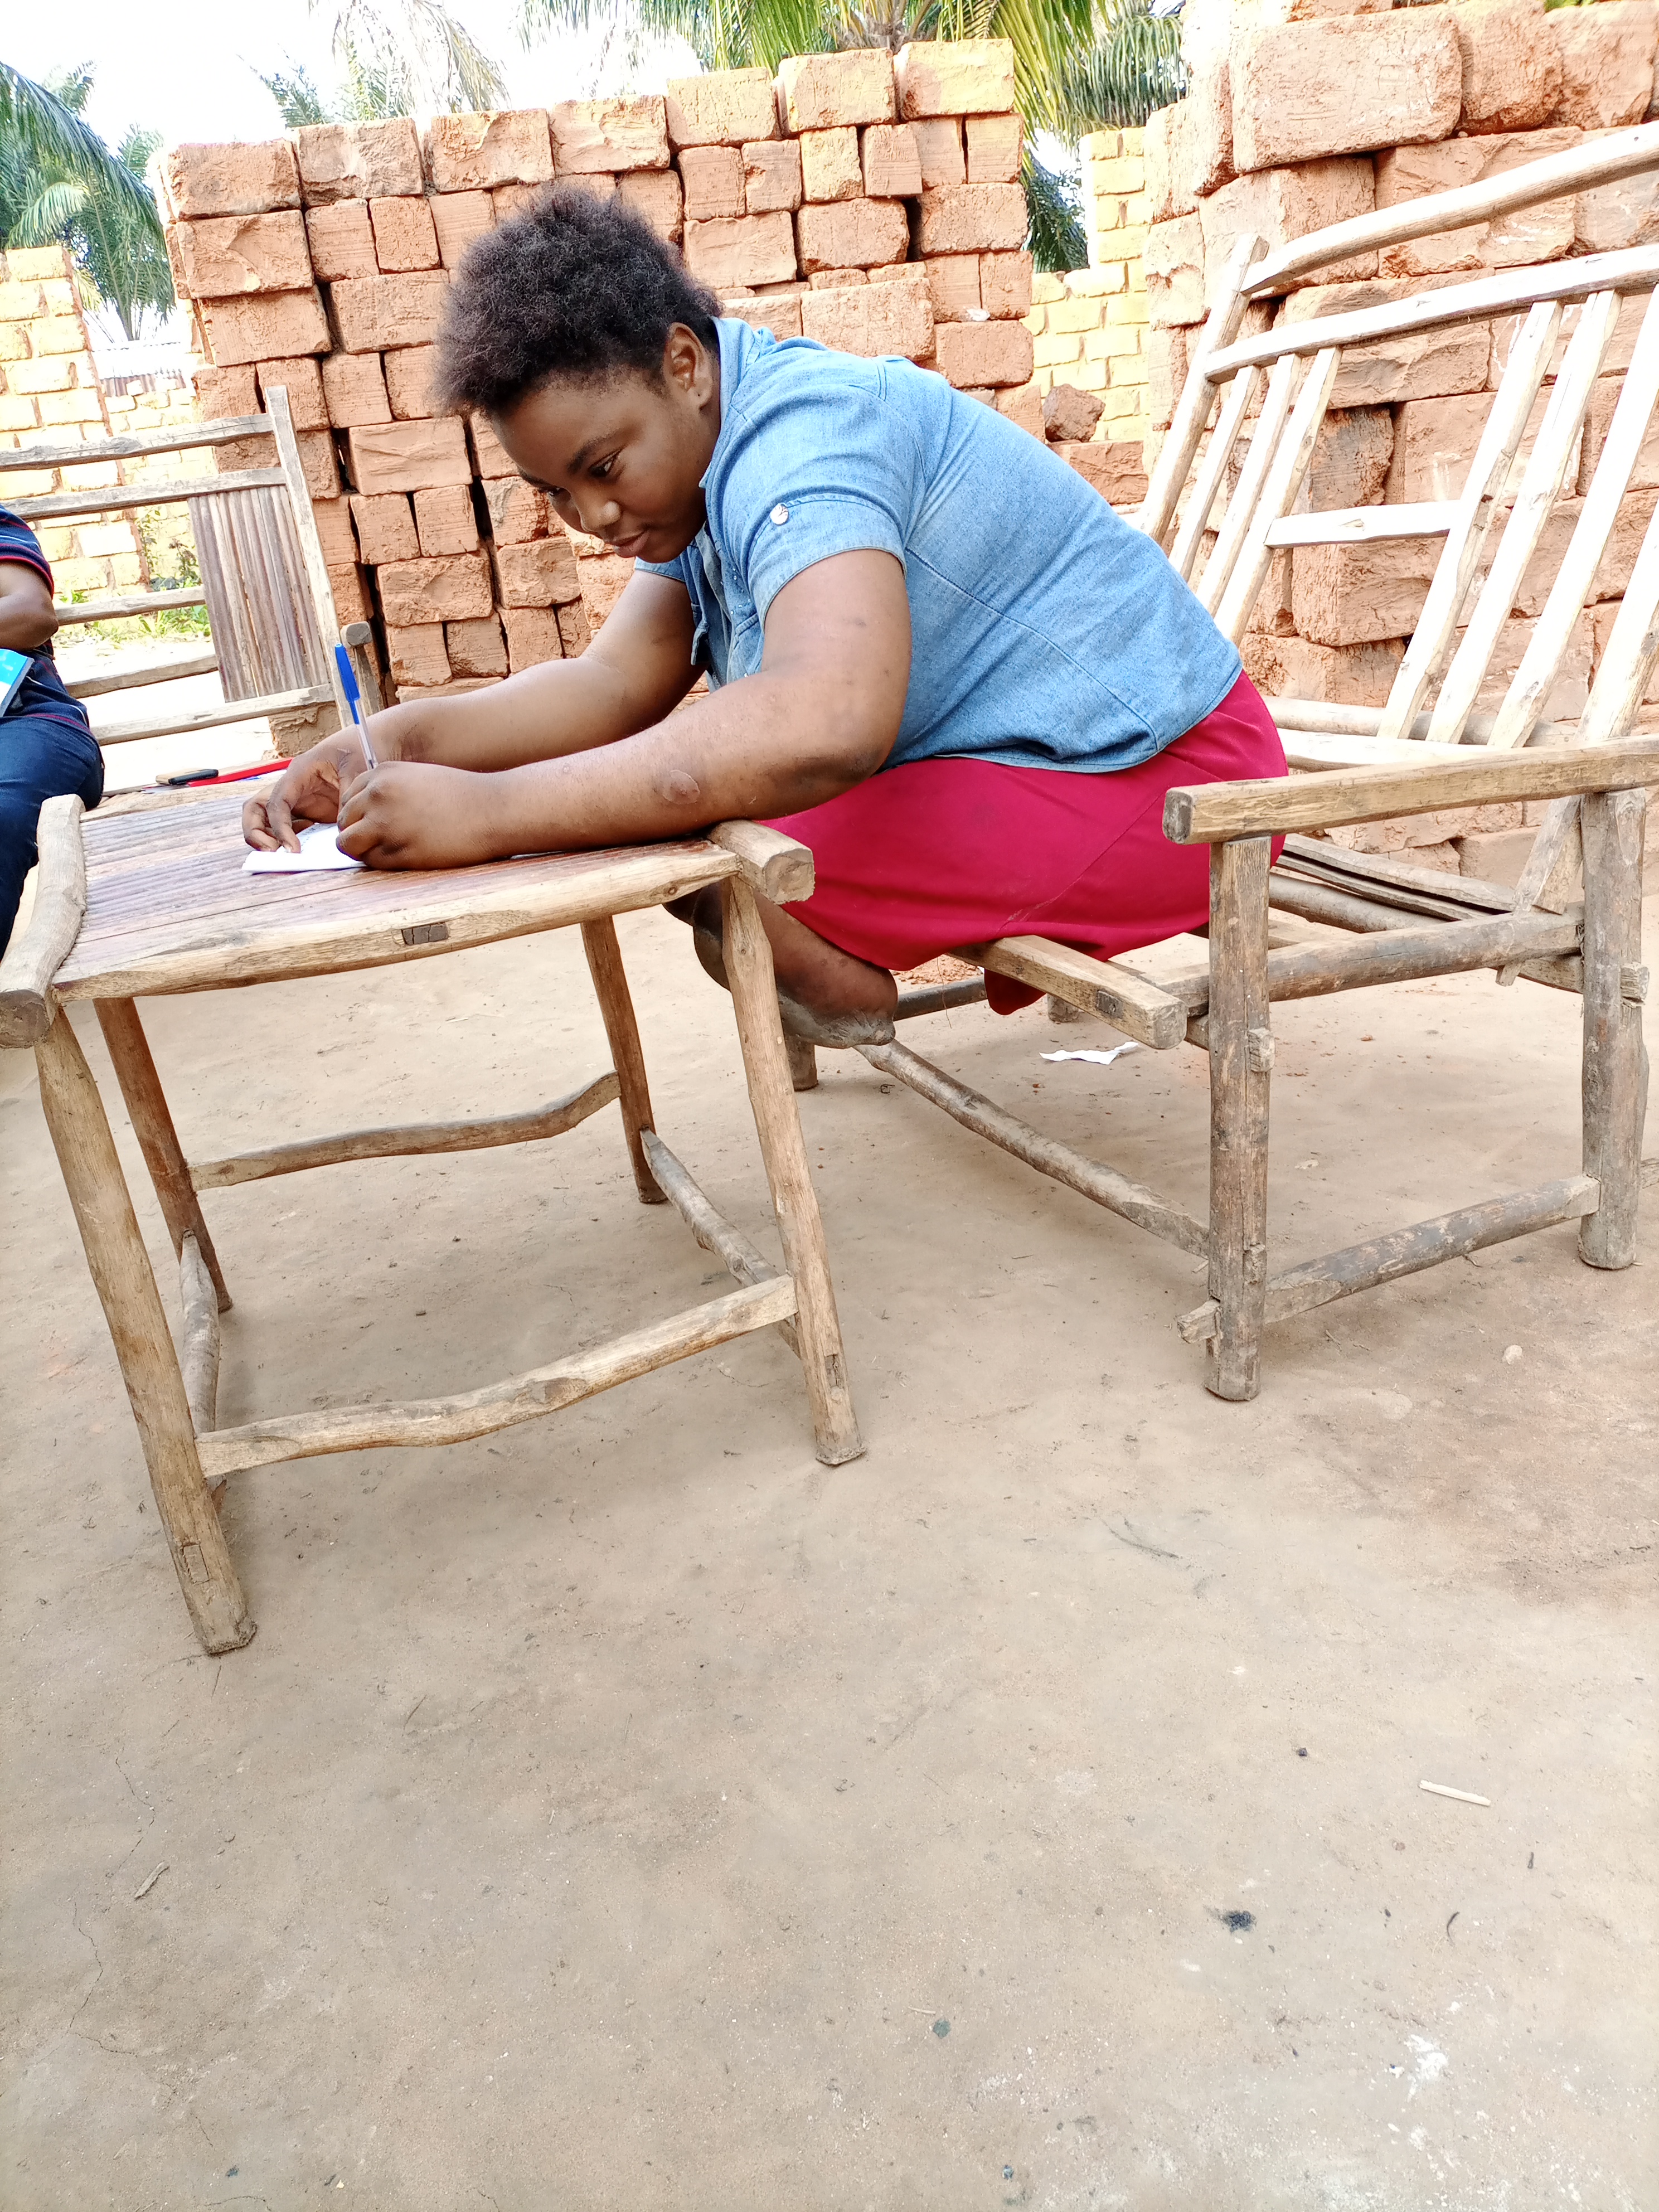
[[125, 1284], [152, 1124], [803, 1063], [604, 965], [1615, 1067], [795, 1202], [1241, 1062]]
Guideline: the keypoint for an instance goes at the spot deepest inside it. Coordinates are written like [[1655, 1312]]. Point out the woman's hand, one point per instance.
[[411, 814], [311, 791]]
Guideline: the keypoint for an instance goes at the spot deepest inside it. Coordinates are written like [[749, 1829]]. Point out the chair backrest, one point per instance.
[[1222, 508]]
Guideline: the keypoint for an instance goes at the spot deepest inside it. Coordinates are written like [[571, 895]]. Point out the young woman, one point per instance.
[[935, 654]]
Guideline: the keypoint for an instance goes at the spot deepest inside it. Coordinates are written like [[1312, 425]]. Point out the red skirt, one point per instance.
[[921, 859]]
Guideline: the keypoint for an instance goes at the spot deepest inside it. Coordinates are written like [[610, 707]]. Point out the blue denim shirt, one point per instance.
[[1046, 632]]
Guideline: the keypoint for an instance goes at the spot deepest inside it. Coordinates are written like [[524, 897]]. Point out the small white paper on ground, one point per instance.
[[318, 849], [1100, 1059]]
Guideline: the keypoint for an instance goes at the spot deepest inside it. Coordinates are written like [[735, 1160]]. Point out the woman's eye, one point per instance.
[[602, 470]]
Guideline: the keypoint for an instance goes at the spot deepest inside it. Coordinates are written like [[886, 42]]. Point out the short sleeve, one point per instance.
[[674, 569], [18, 543], [827, 471]]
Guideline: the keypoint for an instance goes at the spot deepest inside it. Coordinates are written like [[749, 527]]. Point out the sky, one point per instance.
[[189, 70]]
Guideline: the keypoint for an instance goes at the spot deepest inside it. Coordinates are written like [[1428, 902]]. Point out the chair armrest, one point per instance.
[[1215, 814], [777, 867], [27, 1003]]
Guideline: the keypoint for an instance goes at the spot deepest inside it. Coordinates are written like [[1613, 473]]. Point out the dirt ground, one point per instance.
[[627, 1811]]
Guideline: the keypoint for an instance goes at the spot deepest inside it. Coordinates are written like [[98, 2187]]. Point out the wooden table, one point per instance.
[[155, 902]]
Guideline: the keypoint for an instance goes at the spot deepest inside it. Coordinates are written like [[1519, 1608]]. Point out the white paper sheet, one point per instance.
[[1099, 1059], [318, 849]]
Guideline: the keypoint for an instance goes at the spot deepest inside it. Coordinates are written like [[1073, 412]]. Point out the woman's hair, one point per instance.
[[574, 287]]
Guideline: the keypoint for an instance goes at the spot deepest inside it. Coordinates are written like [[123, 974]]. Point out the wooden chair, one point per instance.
[[1327, 919], [147, 904], [264, 583]]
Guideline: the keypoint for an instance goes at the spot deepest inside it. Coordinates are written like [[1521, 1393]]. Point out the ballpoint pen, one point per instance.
[[354, 699]]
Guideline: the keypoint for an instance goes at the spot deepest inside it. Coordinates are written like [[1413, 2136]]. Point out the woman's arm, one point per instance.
[[27, 618], [822, 714], [634, 672]]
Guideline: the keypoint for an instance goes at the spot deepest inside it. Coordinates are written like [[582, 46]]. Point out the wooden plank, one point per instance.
[[311, 545], [1396, 872], [1408, 1251], [155, 671], [200, 1362], [158, 1140], [710, 1227], [406, 1140], [609, 981], [779, 868], [1343, 908], [1540, 487], [1614, 1077], [1241, 505], [114, 498], [1365, 525], [186, 439], [38, 950], [1324, 718], [1212, 471], [127, 606], [1279, 495], [1192, 411], [1636, 269], [1605, 160], [499, 1405], [1202, 814], [1240, 1070], [1118, 1193], [1116, 994], [213, 718], [939, 997]]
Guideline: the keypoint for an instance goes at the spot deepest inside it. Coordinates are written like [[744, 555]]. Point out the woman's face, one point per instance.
[[623, 459]]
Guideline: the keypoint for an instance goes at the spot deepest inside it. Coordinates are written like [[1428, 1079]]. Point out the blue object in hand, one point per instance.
[[354, 700], [14, 667]]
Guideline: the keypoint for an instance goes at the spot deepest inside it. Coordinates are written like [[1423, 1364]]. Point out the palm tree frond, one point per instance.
[[1114, 84], [298, 100], [47, 136], [1054, 238], [44, 220]]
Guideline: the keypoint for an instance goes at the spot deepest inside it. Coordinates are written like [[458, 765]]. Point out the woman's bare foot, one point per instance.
[[825, 995]]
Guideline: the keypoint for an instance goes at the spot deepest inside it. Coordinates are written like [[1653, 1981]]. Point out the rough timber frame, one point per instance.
[[105, 941]]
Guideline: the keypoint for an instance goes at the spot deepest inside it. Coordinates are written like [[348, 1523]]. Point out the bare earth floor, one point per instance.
[[628, 1812]]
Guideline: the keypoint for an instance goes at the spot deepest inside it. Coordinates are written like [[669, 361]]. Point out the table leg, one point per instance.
[[152, 1124], [604, 965], [125, 1283], [1615, 1061], [1240, 1063], [795, 1202]]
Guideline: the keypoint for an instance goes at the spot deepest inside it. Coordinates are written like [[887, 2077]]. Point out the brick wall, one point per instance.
[[1303, 123], [870, 201]]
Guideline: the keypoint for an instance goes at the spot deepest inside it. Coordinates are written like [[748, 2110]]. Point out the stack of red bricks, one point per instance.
[[1309, 122], [869, 201]]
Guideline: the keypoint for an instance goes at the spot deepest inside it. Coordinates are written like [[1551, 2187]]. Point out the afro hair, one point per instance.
[[574, 287]]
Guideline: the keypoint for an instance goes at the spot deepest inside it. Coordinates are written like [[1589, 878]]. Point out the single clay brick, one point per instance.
[[713, 180], [508, 200], [349, 588], [1351, 457], [476, 648], [455, 588], [304, 387], [409, 457], [855, 233], [490, 456], [1344, 675], [939, 146], [892, 162], [608, 134], [417, 653], [953, 284], [234, 179], [1166, 372], [1174, 265], [335, 532], [1187, 149], [1606, 56], [575, 633], [1361, 594], [357, 161], [275, 326], [539, 573], [385, 527], [772, 177], [1112, 466], [972, 354], [1070, 414], [444, 520], [406, 237], [955, 76], [1425, 365], [829, 165], [458, 218], [993, 149], [872, 319], [1543, 232], [225, 394], [376, 314], [973, 218], [231, 254], [518, 511], [473, 153], [755, 249], [533, 636], [1022, 405], [723, 108], [409, 379], [1280, 205], [836, 280], [779, 316], [821, 92], [1005, 284], [1512, 76], [342, 240], [1302, 91], [354, 389], [411, 694], [654, 195]]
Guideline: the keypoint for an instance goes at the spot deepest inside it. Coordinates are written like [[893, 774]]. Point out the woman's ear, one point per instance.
[[686, 364]]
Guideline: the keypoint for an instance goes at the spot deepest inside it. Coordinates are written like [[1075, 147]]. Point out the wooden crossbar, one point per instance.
[[709, 1226], [130, 604], [187, 437], [1356, 525], [171, 492], [159, 672], [199, 1360], [215, 718]]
